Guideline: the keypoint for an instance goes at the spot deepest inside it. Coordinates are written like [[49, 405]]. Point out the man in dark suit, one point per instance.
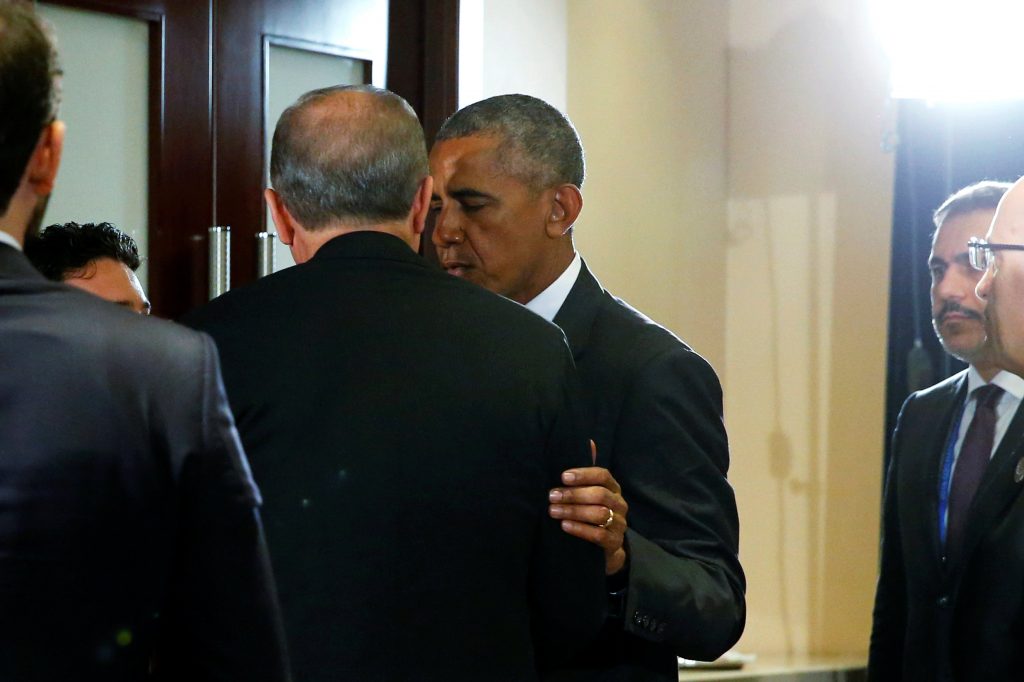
[[507, 174], [404, 426], [130, 542], [948, 603]]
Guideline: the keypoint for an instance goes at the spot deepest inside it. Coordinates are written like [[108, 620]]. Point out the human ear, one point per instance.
[[565, 206], [42, 167], [282, 218], [421, 205]]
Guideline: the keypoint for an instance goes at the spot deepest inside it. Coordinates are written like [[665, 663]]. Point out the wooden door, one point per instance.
[[207, 109]]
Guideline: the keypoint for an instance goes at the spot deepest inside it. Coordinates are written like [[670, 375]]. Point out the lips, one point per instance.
[[456, 268]]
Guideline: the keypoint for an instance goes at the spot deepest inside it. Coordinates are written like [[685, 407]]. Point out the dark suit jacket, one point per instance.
[[405, 427], [128, 518], [655, 411], [963, 620]]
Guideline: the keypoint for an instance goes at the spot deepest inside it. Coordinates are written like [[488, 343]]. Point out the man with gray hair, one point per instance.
[[508, 173], [404, 426], [941, 607]]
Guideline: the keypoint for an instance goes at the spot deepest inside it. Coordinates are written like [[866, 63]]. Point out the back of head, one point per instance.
[[28, 90], [981, 196], [351, 154], [540, 145], [64, 250]]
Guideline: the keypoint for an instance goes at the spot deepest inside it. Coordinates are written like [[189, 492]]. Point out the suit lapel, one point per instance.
[[934, 438], [998, 487], [577, 314]]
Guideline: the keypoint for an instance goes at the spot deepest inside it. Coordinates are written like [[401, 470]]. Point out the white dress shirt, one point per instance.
[[9, 240], [1013, 392], [548, 302]]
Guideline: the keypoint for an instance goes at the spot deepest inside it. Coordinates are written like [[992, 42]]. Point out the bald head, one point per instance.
[[1002, 286], [1008, 226], [348, 154]]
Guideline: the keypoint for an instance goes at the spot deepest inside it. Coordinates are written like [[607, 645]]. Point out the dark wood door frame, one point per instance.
[[423, 66]]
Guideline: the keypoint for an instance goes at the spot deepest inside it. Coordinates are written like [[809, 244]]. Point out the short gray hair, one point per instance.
[[355, 160], [984, 195], [540, 145]]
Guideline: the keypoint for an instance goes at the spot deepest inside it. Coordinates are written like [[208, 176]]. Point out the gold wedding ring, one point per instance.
[[608, 521]]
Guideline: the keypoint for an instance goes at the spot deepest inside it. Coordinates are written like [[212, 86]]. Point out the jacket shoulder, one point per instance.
[[937, 395], [622, 332]]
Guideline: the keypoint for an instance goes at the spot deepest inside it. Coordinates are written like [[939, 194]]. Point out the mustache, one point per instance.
[[954, 307]]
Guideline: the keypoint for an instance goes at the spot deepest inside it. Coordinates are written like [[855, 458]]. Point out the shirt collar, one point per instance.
[[1011, 383], [5, 238], [547, 303]]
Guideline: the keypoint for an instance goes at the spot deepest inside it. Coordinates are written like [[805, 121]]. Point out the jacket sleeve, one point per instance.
[[222, 620], [671, 457], [567, 583], [889, 618]]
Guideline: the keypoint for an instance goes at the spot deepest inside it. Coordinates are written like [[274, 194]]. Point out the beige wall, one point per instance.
[[647, 91], [737, 193], [510, 46]]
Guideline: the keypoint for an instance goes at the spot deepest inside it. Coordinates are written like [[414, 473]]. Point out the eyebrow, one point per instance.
[[470, 194]]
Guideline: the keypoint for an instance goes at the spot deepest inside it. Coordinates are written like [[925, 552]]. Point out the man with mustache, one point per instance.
[[935, 617]]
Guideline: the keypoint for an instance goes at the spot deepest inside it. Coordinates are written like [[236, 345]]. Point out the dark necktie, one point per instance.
[[975, 453]]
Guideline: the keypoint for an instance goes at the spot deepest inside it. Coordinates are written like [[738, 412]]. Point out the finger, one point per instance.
[[595, 515], [609, 541], [591, 476], [589, 495], [593, 452]]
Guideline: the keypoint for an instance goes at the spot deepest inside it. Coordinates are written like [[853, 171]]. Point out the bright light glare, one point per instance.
[[953, 50]]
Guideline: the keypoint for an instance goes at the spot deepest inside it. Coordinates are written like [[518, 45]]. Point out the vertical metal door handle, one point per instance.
[[265, 253], [220, 260]]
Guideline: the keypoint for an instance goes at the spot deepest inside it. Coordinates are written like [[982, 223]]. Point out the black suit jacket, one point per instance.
[[654, 408], [128, 519], [962, 620], [405, 427]]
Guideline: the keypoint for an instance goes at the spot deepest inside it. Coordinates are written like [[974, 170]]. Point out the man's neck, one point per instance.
[[308, 242], [987, 370]]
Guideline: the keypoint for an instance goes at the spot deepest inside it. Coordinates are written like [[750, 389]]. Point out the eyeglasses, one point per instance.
[[982, 254]]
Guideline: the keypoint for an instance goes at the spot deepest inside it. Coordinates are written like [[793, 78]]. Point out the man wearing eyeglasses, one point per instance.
[[946, 605], [1003, 283]]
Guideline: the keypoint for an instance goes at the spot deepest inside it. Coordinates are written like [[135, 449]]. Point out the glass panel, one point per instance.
[[105, 167], [291, 73]]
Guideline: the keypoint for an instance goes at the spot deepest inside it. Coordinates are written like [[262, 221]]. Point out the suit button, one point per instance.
[[942, 601]]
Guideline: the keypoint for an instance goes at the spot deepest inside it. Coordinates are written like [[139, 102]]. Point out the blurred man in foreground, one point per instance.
[[130, 544]]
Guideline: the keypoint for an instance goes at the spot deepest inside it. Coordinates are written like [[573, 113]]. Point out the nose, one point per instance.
[[447, 231], [984, 287], [958, 283]]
